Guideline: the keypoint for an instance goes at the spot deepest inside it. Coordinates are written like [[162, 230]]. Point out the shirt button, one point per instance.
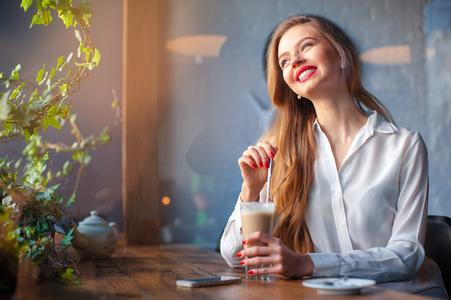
[[342, 226]]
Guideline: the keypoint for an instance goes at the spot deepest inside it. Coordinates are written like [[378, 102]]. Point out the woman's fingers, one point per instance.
[[260, 154], [267, 269], [259, 236], [246, 160], [256, 154], [254, 165], [257, 256], [280, 259], [270, 151], [257, 252]]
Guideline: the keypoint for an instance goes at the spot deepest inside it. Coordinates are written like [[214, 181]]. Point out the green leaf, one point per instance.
[[44, 195], [37, 19], [60, 61], [45, 124], [67, 167], [90, 66], [52, 121], [96, 57], [34, 94], [85, 8], [14, 93], [7, 200], [46, 16], [17, 91], [63, 89], [68, 275], [26, 4], [15, 73], [27, 135], [80, 50], [8, 126], [83, 12], [87, 51], [65, 15], [77, 35], [82, 157], [45, 228], [40, 74], [69, 57], [52, 73], [30, 231], [55, 187], [48, 84], [4, 107], [49, 3], [67, 239], [18, 162], [71, 200], [104, 136]]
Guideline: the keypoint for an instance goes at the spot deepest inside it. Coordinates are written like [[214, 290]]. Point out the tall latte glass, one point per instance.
[[257, 216]]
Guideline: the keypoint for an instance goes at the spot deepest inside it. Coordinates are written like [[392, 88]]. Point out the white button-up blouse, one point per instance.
[[367, 219]]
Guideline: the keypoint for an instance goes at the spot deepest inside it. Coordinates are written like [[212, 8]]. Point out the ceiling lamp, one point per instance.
[[389, 55], [197, 45]]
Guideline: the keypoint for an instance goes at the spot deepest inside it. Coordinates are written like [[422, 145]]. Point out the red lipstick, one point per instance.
[[303, 69]]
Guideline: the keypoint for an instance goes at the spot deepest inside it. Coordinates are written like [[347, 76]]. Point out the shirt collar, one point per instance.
[[378, 123], [375, 123]]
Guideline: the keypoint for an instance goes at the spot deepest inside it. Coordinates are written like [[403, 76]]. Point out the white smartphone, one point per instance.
[[191, 283]]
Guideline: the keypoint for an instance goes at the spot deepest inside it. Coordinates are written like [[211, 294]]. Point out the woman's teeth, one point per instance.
[[305, 73]]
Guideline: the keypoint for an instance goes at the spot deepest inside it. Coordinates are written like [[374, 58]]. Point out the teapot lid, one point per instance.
[[94, 220]]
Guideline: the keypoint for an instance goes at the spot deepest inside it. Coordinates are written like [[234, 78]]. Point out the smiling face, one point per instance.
[[309, 64]]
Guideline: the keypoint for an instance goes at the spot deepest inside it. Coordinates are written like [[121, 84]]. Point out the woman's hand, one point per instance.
[[282, 260], [254, 166]]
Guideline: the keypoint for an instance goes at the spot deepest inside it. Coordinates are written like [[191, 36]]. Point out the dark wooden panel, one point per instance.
[[140, 122]]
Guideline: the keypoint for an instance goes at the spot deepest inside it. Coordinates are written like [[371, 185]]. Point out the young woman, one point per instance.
[[350, 186]]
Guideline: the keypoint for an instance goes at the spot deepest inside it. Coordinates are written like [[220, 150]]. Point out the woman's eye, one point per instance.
[[306, 46], [284, 63]]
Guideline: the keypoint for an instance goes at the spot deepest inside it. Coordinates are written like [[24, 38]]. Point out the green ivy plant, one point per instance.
[[31, 206]]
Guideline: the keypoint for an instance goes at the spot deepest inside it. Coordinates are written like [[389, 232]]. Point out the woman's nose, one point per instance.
[[297, 60]]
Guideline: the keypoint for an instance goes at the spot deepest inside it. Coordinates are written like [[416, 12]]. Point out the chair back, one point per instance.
[[438, 245]]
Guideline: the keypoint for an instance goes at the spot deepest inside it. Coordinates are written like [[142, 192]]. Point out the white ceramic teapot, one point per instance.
[[94, 237]]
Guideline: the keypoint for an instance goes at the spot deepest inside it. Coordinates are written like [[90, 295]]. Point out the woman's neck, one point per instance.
[[340, 120], [339, 117]]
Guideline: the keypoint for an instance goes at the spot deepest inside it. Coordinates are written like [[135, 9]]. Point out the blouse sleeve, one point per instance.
[[402, 257], [232, 238]]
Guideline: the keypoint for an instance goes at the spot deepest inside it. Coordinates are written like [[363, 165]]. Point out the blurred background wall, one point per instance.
[[213, 107], [213, 101]]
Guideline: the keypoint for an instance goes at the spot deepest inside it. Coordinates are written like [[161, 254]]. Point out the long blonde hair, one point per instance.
[[292, 130]]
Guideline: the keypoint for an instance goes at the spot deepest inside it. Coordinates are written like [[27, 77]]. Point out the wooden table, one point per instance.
[[150, 272]]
